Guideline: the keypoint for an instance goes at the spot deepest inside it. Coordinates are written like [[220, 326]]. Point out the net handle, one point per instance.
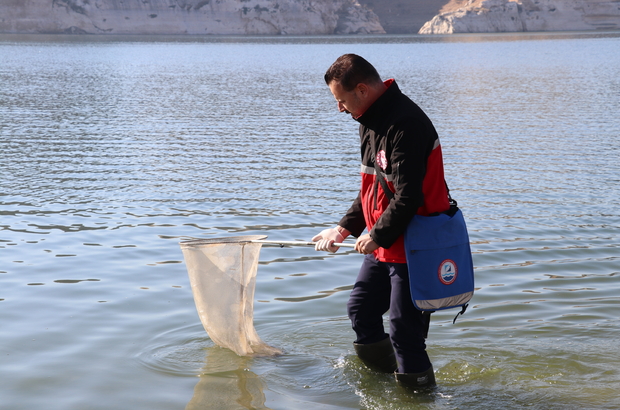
[[302, 243]]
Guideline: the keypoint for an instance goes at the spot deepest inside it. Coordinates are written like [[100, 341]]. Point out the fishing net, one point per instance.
[[222, 273]]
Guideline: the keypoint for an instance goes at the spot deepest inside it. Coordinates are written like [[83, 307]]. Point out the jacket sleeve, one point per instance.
[[354, 221], [412, 145]]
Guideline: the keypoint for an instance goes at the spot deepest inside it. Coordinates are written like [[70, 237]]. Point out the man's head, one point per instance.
[[355, 84]]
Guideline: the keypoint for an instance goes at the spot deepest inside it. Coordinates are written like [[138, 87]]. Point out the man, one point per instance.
[[400, 145]]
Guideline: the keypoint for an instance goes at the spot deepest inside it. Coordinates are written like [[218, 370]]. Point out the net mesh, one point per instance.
[[222, 273]]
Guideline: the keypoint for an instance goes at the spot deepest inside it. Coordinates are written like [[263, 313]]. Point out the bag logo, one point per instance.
[[447, 272]]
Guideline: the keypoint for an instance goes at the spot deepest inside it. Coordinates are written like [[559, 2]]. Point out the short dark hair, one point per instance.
[[349, 70]]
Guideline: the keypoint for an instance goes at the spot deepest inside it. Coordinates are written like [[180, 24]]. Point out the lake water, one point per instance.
[[113, 149]]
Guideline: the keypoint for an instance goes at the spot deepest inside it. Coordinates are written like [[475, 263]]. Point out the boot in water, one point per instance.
[[424, 380], [378, 356]]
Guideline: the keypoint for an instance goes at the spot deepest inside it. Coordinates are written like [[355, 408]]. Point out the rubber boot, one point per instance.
[[378, 356], [424, 380]]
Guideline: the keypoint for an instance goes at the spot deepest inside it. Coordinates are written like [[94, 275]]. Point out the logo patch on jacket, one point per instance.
[[381, 160]]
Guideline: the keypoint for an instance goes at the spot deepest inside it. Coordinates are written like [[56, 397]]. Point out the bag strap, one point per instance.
[[462, 312], [386, 189], [452, 201]]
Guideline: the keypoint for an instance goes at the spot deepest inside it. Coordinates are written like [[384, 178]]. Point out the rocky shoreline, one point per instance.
[[490, 16], [232, 17], [305, 17]]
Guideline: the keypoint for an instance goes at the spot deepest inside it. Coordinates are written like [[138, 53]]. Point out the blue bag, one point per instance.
[[441, 270]]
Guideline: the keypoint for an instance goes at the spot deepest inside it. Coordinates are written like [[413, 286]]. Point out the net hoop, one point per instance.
[[217, 241]]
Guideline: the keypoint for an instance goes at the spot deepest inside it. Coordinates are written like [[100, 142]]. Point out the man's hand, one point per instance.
[[366, 245], [325, 240]]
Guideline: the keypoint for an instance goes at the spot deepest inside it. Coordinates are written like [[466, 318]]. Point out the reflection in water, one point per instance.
[[236, 388], [75, 280], [323, 294]]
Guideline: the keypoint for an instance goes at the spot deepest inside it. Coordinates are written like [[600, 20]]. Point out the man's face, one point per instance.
[[351, 102]]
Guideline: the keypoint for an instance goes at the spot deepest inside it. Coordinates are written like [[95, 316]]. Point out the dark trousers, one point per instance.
[[383, 286]]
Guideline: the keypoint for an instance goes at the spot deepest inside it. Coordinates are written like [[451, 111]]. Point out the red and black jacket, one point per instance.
[[402, 140]]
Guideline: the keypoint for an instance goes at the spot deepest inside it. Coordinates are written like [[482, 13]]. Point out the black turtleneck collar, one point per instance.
[[375, 113]]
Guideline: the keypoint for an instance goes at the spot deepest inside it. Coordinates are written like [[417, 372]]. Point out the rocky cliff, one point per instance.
[[188, 17], [486, 16]]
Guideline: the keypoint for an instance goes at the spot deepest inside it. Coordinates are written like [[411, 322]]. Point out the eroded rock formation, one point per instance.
[[487, 16], [188, 17]]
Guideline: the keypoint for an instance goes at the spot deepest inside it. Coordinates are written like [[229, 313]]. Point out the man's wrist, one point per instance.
[[343, 231]]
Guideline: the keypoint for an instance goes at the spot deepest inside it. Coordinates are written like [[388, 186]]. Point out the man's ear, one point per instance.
[[363, 89]]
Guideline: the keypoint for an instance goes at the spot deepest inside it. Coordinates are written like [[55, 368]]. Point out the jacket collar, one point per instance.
[[375, 114]]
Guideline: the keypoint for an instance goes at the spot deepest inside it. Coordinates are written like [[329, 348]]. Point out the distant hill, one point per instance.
[[404, 16]]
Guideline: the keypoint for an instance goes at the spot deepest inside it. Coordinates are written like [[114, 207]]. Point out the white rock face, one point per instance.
[[487, 16], [188, 17]]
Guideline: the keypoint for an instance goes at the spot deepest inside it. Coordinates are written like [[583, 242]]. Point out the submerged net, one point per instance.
[[222, 273]]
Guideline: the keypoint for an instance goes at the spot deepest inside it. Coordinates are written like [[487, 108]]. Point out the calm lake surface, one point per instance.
[[114, 149]]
